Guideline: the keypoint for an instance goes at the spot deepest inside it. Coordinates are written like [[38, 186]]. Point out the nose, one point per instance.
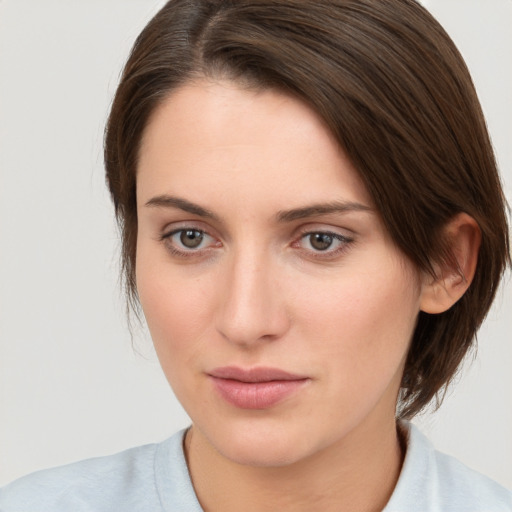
[[252, 307]]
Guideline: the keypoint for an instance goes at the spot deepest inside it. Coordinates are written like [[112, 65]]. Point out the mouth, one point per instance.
[[255, 388]]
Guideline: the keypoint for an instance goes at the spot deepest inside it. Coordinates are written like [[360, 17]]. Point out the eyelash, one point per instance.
[[166, 238], [328, 254]]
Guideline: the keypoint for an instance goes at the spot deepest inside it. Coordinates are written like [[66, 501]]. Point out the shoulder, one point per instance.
[[433, 481], [125, 481]]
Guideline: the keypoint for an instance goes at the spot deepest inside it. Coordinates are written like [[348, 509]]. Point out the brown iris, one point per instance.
[[320, 241], [191, 238]]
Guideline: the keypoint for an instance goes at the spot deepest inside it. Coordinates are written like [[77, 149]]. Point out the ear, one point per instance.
[[453, 277]]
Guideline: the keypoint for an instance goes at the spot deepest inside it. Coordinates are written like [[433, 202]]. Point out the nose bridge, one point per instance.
[[252, 307]]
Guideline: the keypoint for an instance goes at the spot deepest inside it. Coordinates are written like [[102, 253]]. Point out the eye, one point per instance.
[[188, 240], [325, 242]]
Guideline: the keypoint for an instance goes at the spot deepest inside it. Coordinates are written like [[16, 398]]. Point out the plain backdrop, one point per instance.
[[71, 383]]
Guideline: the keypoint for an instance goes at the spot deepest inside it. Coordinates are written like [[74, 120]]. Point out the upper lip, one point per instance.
[[258, 374]]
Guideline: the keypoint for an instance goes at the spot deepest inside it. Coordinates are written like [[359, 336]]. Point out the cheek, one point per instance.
[[363, 322], [179, 321], [176, 309]]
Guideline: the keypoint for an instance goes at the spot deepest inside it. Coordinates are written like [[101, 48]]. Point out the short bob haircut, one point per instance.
[[395, 92]]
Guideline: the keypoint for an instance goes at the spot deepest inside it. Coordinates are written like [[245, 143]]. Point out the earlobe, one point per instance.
[[453, 277]]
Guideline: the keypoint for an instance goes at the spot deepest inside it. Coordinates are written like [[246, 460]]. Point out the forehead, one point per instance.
[[208, 135]]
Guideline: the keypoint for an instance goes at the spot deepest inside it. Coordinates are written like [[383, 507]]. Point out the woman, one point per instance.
[[314, 227]]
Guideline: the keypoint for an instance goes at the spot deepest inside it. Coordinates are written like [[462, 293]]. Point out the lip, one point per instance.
[[255, 388]]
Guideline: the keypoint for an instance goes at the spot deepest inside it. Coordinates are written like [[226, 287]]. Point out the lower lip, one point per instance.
[[256, 395]]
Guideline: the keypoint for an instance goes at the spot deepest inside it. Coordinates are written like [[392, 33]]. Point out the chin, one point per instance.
[[262, 453], [262, 444]]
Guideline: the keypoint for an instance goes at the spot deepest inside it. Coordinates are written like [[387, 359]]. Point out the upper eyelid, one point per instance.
[[319, 223], [326, 228], [173, 231], [173, 227], [325, 232]]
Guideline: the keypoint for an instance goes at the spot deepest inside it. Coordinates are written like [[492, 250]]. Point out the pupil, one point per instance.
[[321, 241], [191, 238]]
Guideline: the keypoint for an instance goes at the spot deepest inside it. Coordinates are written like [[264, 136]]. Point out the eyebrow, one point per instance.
[[315, 210], [166, 201]]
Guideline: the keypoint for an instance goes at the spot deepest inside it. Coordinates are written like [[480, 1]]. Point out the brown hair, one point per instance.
[[394, 90]]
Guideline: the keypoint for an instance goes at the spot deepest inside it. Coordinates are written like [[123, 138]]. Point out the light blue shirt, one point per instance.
[[155, 478]]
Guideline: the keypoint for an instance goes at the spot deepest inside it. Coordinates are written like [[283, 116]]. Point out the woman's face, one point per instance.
[[279, 307]]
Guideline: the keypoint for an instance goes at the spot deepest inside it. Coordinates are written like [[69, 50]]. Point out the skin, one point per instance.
[[257, 292]]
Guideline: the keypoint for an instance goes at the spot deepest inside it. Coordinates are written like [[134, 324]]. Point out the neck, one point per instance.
[[357, 474]]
